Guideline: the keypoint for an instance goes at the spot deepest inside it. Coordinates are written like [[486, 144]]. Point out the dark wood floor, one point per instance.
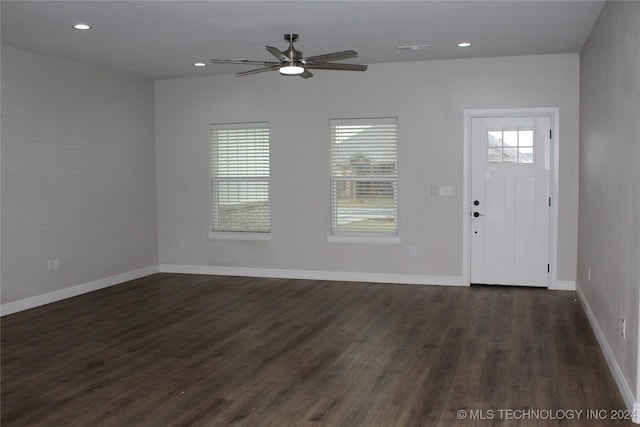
[[189, 350]]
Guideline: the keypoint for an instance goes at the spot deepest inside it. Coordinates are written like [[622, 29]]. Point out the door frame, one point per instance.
[[554, 116]]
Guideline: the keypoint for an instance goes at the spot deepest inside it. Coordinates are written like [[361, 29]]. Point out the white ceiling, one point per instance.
[[162, 39]]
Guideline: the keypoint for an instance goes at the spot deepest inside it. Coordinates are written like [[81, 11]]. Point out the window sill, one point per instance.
[[239, 235], [333, 238]]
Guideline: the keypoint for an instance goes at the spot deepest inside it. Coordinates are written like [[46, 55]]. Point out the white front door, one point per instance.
[[510, 179]]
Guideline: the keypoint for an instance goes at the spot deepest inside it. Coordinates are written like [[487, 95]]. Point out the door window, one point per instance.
[[510, 146]]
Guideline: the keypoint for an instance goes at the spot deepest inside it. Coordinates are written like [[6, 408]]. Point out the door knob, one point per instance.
[[477, 214]]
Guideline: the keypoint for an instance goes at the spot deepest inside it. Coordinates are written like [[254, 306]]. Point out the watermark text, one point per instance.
[[527, 414]]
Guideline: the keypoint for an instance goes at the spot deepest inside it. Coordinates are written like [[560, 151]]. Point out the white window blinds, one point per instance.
[[364, 176], [240, 177]]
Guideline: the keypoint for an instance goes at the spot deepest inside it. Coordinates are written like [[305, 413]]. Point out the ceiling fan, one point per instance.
[[292, 63]]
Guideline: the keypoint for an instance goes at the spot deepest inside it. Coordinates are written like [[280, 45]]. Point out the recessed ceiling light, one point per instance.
[[415, 47], [464, 44], [199, 64], [81, 26]]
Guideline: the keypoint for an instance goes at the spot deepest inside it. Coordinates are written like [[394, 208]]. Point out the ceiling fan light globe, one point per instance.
[[291, 70]]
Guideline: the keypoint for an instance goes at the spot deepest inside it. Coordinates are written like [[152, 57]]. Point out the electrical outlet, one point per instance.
[[413, 251], [589, 275], [56, 264], [49, 265], [181, 244], [623, 328]]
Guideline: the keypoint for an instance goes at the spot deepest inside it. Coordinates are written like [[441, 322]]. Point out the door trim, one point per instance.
[[554, 115]]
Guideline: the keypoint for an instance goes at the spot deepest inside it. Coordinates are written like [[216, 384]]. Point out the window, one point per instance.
[[510, 146], [240, 178], [364, 177]]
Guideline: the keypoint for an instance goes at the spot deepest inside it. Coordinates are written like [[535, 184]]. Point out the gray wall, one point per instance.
[[609, 222], [427, 97], [78, 174]]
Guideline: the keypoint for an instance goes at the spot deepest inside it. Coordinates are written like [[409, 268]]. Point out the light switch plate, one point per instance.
[[446, 190]]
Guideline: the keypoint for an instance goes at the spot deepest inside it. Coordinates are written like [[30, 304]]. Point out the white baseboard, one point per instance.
[[38, 300], [618, 376], [412, 279], [565, 285]]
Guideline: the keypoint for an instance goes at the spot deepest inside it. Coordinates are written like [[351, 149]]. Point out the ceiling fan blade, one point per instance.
[[276, 52], [328, 57], [242, 61], [258, 70], [306, 74], [332, 66]]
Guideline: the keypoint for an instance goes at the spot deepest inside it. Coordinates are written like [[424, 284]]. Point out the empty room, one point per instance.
[[320, 213]]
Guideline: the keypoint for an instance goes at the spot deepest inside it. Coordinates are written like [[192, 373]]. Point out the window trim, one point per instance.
[[240, 235], [364, 238]]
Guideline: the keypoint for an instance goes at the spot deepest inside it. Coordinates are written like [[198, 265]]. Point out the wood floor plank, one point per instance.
[[195, 350]]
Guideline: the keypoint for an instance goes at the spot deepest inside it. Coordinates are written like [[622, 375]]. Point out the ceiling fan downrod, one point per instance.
[[294, 55]]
